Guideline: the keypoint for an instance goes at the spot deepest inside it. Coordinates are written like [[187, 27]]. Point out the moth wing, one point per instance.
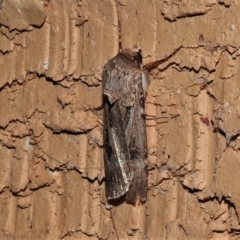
[[137, 144], [111, 85], [118, 82], [117, 162], [118, 170]]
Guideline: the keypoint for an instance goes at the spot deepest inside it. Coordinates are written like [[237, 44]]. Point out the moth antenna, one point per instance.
[[150, 66]]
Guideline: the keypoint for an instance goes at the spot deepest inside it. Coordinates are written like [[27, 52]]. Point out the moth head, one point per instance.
[[134, 55]]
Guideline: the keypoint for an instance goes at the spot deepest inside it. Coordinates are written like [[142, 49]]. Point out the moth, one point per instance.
[[124, 88], [125, 81]]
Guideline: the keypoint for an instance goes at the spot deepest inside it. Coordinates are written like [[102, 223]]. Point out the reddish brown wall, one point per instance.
[[51, 156]]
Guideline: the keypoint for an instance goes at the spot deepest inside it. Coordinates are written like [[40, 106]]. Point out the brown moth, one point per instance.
[[124, 89], [125, 81]]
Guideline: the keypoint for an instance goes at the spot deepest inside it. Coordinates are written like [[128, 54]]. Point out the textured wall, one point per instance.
[[52, 177]]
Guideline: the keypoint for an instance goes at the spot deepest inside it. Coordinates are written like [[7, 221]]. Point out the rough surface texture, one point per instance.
[[51, 178]]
